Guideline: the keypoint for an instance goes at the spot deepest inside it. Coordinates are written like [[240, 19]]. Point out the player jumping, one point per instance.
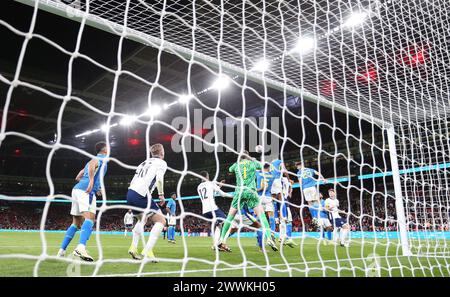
[[309, 186], [207, 190], [246, 196], [245, 218], [285, 213], [84, 203], [149, 175], [264, 180], [278, 170]]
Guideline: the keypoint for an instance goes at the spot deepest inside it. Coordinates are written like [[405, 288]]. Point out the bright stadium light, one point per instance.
[[304, 45], [154, 110], [357, 18], [87, 133], [105, 127], [127, 120], [261, 66], [221, 83], [167, 105], [184, 99]]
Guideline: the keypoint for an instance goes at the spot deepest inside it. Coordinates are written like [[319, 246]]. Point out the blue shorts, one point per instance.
[[129, 226], [339, 222], [136, 200], [282, 207], [218, 213], [275, 209]]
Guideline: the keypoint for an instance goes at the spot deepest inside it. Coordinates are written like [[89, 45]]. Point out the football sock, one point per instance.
[[282, 230], [289, 230], [272, 223], [226, 227], [266, 227], [137, 231], [329, 234], [154, 234], [259, 235], [70, 233], [86, 230]]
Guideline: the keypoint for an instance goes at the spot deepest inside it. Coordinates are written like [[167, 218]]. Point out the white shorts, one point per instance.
[[289, 216], [311, 194], [247, 219], [80, 203], [325, 223], [267, 203], [277, 188], [172, 221]]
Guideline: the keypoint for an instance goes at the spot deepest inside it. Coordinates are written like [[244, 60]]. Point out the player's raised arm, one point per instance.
[[219, 191], [283, 169], [258, 165], [321, 178]]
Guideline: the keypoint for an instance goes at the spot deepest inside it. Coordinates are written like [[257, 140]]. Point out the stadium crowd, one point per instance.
[[377, 214]]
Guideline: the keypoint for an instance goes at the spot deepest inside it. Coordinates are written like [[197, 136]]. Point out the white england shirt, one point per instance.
[[147, 173], [286, 185], [206, 191], [128, 219], [333, 206]]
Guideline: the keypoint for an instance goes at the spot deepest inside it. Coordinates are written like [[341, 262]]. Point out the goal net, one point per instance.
[[355, 90]]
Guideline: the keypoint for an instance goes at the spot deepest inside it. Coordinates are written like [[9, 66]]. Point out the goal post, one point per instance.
[[399, 206]]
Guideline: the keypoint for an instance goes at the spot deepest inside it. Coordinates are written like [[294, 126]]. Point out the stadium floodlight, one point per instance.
[[83, 134], [154, 110], [184, 99], [261, 66], [221, 83], [105, 127], [89, 132], [304, 45], [355, 19], [127, 120], [167, 105]]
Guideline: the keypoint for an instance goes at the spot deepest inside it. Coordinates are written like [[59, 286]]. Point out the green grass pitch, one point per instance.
[[20, 256]]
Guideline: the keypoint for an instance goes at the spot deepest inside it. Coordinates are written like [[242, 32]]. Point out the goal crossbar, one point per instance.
[[186, 53]]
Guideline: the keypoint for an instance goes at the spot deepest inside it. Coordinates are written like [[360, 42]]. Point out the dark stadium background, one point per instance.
[[23, 163]]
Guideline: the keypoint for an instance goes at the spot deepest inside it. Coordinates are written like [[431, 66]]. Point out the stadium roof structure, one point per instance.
[[390, 68]]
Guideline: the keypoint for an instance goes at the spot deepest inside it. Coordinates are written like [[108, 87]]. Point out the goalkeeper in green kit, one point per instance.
[[245, 199]]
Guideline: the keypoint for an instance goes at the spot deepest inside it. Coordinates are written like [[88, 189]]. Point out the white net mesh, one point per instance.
[[357, 90]]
